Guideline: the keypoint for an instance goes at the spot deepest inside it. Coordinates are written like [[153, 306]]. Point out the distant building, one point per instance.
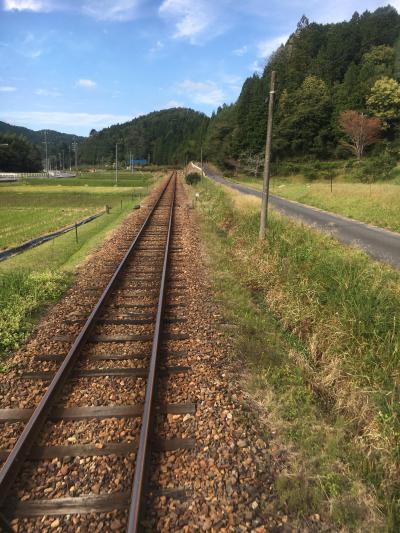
[[138, 162]]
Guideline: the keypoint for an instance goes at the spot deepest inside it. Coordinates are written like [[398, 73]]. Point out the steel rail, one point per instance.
[[142, 456], [20, 450]]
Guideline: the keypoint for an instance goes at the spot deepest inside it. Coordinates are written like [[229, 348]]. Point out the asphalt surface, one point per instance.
[[380, 244]]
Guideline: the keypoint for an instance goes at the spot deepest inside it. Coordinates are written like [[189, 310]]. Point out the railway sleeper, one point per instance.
[[97, 411], [38, 453], [100, 503], [115, 372]]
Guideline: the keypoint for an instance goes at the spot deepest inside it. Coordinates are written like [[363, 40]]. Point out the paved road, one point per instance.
[[378, 243]]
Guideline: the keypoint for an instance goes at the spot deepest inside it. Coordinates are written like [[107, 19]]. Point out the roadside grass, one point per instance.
[[28, 211], [317, 325], [32, 280], [375, 203]]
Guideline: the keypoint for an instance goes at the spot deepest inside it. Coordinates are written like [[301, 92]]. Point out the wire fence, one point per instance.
[[10, 252]]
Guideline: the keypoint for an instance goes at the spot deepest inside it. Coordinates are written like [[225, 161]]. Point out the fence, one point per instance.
[[16, 176], [10, 252]]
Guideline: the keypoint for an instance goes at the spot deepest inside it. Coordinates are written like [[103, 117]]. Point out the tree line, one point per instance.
[[323, 71], [17, 154]]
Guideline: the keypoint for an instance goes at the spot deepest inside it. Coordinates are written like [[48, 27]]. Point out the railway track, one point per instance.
[[122, 350]]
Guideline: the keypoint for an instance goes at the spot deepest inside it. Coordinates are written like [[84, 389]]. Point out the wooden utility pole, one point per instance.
[[116, 163], [267, 162]]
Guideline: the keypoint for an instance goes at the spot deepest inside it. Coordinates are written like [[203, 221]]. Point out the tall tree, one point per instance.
[[360, 130], [304, 119], [384, 100]]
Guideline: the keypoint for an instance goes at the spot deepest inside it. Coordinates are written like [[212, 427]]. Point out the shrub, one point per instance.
[[375, 168], [192, 178]]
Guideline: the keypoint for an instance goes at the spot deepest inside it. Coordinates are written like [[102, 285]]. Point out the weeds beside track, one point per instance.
[[336, 391]]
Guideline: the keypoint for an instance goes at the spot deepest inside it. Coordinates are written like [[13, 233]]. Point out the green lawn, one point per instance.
[[378, 203], [30, 209]]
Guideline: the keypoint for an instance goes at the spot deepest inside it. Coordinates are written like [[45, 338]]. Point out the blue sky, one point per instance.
[[81, 64]]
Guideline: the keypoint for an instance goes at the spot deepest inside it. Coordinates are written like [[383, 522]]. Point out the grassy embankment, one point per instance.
[[375, 203], [31, 280], [317, 325]]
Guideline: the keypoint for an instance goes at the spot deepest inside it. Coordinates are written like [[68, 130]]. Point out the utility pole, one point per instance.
[[47, 160], [186, 163], [116, 163], [70, 161], [201, 154], [75, 148], [201, 160], [267, 162]]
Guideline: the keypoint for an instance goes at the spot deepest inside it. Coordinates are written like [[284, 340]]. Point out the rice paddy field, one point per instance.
[[33, 279], [376, 203], [38, 206]]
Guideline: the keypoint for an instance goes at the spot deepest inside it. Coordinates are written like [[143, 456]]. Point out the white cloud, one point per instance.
[[34, 54], [27, 5], [86, 84], [173, 103], [267, 47], [193, 20], [56, 119], [116, 10], [201, 92], [241, 51], [48, 92], [7, 89], [159, 45], [32, 45]]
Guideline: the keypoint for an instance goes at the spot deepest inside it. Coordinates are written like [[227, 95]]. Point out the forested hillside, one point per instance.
[[168, 136], [17, 154], [322, 71], [58, 144]]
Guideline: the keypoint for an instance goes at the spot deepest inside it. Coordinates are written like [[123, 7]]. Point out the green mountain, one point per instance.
[[322, 70], [167, 137], [58, 144]]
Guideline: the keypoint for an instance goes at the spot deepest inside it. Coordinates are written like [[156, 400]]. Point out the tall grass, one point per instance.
[[376, 203], [344, 309], [21, 294]]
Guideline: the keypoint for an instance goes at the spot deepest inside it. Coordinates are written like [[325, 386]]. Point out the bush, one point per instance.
[[193, 178], [375, 168]]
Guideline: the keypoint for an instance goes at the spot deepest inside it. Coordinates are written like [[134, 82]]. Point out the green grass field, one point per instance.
[[30, 209], [97, 179], [315, 327], [376, 203], [31, 280]]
